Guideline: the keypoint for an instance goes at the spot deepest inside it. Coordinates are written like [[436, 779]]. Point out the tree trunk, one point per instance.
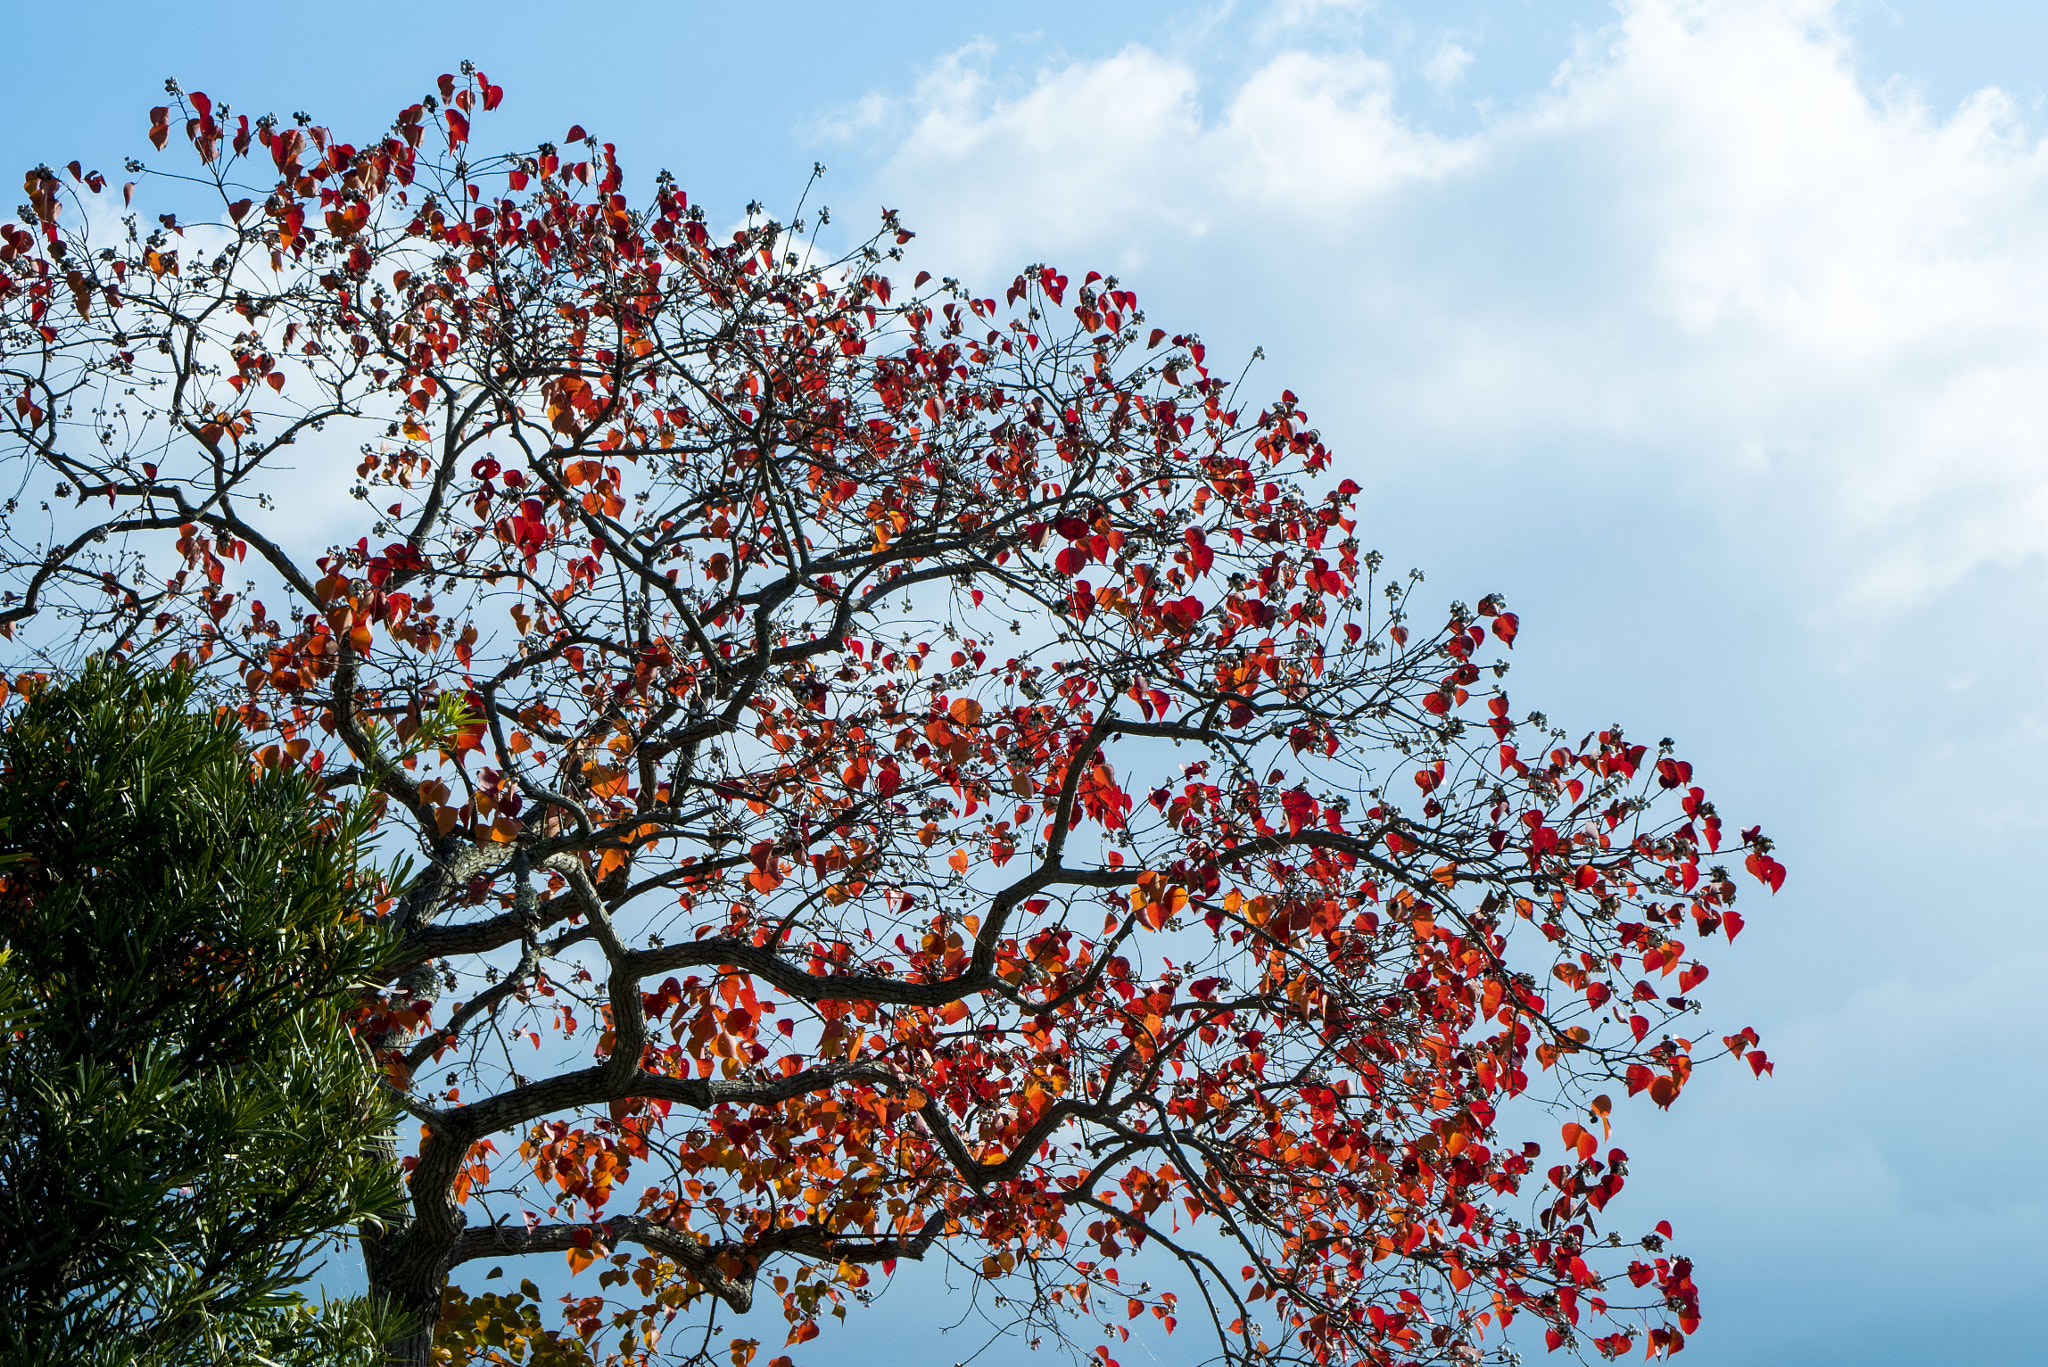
[[408, 1278], [407, 1260]]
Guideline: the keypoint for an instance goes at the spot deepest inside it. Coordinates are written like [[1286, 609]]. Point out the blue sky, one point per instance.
[[1713, 334]]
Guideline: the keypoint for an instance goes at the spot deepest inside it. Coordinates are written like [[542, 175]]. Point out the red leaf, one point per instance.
[[1673, 773]]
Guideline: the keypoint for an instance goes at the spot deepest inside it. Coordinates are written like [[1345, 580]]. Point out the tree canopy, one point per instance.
[[185, 1112], [900, 771]]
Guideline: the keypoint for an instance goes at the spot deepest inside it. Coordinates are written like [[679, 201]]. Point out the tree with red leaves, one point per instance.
[[898, 772]]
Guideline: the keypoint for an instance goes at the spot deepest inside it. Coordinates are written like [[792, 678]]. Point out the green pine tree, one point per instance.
[[185, 1117]]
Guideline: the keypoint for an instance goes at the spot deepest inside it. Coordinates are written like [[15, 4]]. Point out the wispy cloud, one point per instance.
[[1446, 66]]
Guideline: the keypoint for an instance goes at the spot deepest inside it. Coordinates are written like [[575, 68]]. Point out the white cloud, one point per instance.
[[1850, 256], [1447, 67], [1088, 143], [1120, 149], [1320, 132], [1710, 244]]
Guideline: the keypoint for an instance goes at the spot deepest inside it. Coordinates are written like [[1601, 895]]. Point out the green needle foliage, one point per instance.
[[185, 1117]]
